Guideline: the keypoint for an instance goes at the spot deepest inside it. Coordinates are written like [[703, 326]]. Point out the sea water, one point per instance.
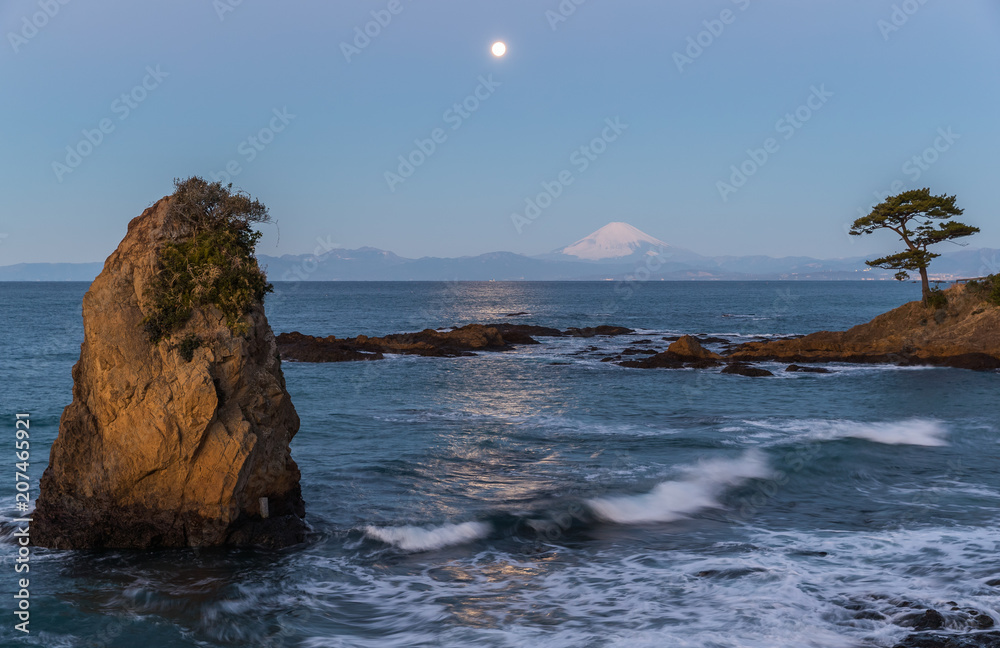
[[541, 497]]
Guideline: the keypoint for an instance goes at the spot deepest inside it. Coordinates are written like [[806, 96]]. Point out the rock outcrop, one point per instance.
[[684, 352], [965, 333], [307, 348], [157, 450], [462, 341], [513, 332], [744, 369], [689, 349], [794, 368], [604, 330], [936, 640]]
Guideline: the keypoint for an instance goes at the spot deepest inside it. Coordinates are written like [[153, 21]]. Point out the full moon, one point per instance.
[[499, 49]]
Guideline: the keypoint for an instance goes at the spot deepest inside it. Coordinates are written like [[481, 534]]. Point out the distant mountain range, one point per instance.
[[616, 251]]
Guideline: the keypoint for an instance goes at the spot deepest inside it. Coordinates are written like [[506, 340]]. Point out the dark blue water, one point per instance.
[[543, 498]]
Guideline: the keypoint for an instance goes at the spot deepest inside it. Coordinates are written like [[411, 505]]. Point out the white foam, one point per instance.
[[698, 489], [414, 538], [918, 432]]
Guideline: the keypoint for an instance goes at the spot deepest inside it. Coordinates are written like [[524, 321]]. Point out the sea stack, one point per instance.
[[175, 437]]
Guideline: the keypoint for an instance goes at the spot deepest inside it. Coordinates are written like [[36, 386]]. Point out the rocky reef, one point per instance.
[[448, 344], [181, 441], [463, 341], [964, 333]]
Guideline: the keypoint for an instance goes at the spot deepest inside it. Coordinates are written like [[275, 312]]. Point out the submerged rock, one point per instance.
[[170, 444], [527, 329], [969, 640], [603, 330], [744, 369], [926, 620], [794, 368], [631, 351], [659, 361]]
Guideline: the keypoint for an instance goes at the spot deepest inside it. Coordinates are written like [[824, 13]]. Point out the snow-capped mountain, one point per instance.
[[614, 241]]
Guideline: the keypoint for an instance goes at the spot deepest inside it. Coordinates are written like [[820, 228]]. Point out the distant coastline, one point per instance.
[[370, 264]]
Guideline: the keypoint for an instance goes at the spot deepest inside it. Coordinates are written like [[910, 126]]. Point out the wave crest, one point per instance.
[[699, 488], [414, 538]]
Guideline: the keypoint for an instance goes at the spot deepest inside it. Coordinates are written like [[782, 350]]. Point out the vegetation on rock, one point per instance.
[[936, 299], [988, 288], [188, 346], [213, 263], [912, 215]]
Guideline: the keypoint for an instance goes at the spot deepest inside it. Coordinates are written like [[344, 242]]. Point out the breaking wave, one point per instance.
[[414, 538], [699, 488]]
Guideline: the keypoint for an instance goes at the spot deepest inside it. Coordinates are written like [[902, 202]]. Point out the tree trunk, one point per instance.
[[925, 284]]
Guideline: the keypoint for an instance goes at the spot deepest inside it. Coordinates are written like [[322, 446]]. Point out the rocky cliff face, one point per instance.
[[159, 451], [966, 333]]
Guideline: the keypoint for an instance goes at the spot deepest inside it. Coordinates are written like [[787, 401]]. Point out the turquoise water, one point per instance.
[[540, 497]]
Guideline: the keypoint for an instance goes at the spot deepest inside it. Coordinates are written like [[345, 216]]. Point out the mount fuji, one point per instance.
[[622, 243], [614, 241]]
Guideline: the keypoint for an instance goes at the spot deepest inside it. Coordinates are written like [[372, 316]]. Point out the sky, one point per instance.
[[723, 126]]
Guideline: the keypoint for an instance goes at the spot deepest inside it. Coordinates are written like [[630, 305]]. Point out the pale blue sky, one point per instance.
[[346, 123]]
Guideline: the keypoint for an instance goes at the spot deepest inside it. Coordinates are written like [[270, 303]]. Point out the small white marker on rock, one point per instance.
[[263, 507]]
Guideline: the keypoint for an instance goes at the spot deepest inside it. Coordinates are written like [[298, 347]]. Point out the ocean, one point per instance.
[[541, 497]]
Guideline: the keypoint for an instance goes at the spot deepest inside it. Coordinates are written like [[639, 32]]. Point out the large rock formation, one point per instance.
[[159, 451], [965, 333]]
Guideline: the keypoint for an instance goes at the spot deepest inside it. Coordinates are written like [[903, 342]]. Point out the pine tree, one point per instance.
[[921, 220]]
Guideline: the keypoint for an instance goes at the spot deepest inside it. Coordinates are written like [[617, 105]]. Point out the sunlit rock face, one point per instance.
[[157, 450], [965, 333]]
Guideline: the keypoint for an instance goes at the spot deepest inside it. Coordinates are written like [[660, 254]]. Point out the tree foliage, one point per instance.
[[213, 262], [921, 220]]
